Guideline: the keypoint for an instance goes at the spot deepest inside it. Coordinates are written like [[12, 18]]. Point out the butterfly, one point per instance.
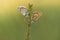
[[23, 10]]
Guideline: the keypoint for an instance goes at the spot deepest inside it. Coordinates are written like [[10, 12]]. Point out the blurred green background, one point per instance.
[[13, 26]]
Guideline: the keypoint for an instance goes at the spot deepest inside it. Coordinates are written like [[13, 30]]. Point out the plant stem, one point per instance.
[[29, 22], [29, 27]]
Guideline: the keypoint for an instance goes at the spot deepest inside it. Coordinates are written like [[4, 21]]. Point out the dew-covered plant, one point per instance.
[[32, 16]]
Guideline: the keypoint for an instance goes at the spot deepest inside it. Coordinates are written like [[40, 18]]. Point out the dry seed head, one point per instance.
[[36, 15]]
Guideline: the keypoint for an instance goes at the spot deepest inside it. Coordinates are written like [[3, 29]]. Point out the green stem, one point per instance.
[[29, 26], [29, 22]]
